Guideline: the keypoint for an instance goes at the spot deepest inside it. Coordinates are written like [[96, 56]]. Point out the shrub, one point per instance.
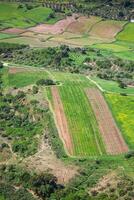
[[129, 154], [46, 82]]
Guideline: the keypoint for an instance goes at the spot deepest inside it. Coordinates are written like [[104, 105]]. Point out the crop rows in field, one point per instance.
[[81, 121], [112, 137]]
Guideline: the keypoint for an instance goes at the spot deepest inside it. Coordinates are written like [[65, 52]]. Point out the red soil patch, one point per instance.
[[57, 28], [15, 70], [110, 133], [13, 31], [61, 120]]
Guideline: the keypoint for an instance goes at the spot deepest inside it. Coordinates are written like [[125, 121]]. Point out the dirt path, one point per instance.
[[111, 135], [61, 121]]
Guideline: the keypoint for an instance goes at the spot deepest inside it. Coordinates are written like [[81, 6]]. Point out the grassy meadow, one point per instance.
[[24, 17], [112, 86]]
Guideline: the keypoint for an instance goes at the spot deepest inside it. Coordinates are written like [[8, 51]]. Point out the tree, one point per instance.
[[1, 65]]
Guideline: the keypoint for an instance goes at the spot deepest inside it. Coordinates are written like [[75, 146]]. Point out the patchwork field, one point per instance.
[[82, 25], [77, 117], [23, 17], [123, 111], [57, 28], [107, 29], [111, 134], [81, 121]]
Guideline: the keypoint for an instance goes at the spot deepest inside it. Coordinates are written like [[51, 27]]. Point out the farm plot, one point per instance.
[[81, 121], [23, 77], [127, 34], [61, 121], [112, 86], [111, 134], [107, 29], [57, 28], [82, 25], [123, 111]]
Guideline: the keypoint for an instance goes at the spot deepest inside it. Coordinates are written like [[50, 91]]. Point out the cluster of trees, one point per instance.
[[59, 58], [19, 121], [45, 82], [12, 176]]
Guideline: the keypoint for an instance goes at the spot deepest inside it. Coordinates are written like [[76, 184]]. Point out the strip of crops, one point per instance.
[[81, 120]]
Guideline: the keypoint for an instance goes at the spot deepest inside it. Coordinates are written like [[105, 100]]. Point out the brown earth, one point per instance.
[[56, 28], [45, 160], [109, 180], [14, 70], [61, 121], [13, 31], [111, 135], [106, 29]]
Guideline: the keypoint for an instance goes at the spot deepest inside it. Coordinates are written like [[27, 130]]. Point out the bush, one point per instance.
[[129, 154], [35, 89], [46, 82]]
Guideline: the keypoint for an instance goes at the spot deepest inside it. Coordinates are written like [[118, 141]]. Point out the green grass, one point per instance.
[[81, 120], [112, 86], [20, 17], [5, 36], [127, 55], [25, 78], [127, 34], [123, 111]]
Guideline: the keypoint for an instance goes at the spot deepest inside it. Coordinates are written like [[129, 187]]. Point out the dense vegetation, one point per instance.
[[74, 60], [18, 183], [26, 15], [107, 9], [23, 117]]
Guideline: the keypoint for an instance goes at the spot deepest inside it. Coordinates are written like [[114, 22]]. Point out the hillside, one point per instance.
[[66, 100]]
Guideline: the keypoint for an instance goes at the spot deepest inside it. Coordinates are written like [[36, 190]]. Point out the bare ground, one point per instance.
[[111, 135], [45, 160], [61, 121]]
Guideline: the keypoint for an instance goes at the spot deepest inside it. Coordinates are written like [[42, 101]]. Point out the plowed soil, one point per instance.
[[57, 28], [61, 121], [13, 31], [111, 135]]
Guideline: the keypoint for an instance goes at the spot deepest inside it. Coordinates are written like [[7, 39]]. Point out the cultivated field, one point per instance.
[[112, 86], [111, 134], [22, 17], [61, 120], [123, 111], [81, 121], [127, 34], [107, 29], [82, 25], [57, 28]]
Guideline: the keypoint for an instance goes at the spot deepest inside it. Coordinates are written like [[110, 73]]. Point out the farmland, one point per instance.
[[112, 86], [66, 100], [122, 108], [110, 132], [22, 17], [81, 120]]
